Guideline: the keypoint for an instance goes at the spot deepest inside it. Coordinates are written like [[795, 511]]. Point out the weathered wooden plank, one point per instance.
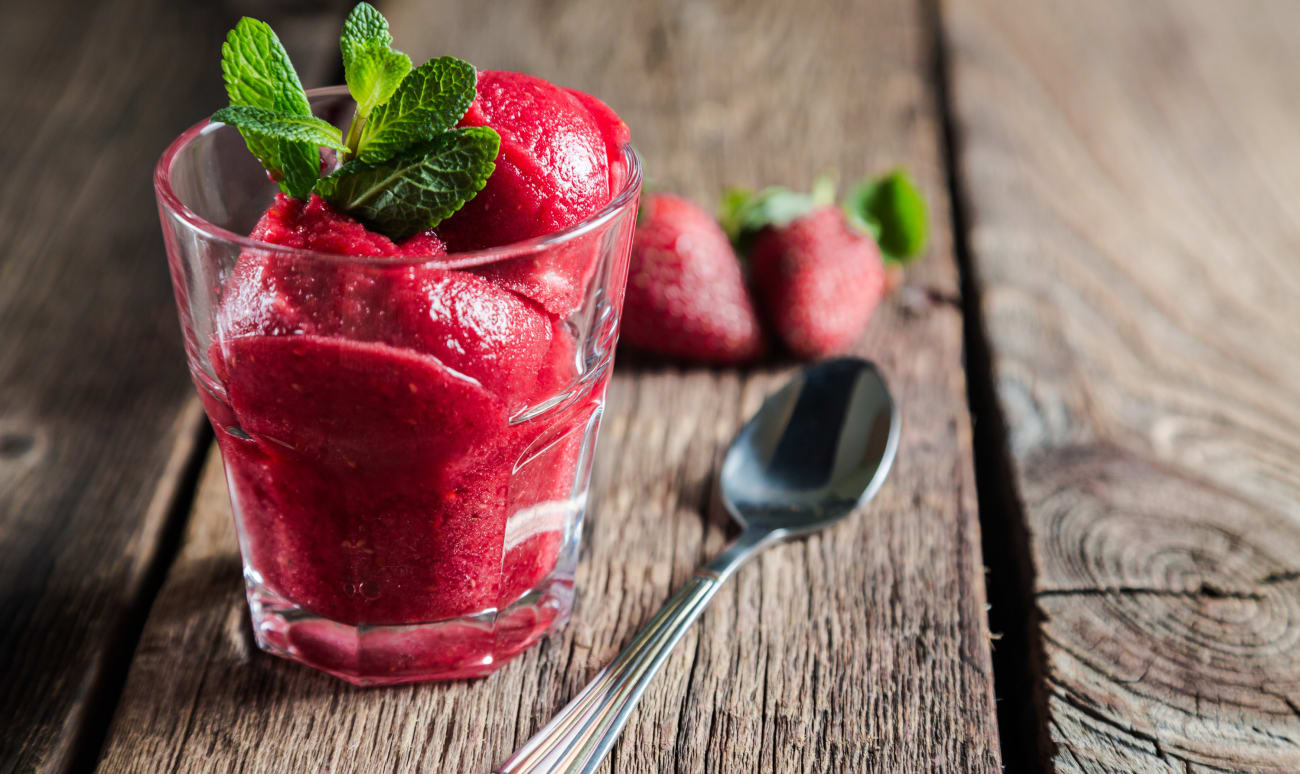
[[97, 418], [1131, 176], [862, 650]]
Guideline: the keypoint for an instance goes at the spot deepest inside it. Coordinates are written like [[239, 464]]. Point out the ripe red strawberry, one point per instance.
[[686, 295], [817, 268], [819, 280]]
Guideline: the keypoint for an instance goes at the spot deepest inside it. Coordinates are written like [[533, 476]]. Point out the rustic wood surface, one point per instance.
[[97, 416], [865, 649], [1129, 225], [1132, 185]]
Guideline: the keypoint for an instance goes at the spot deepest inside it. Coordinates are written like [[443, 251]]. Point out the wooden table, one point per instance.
[[1098, 363]]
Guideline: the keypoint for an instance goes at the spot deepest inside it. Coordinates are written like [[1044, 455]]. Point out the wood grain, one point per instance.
[[1131, 180], [97, 418], [865, 649]]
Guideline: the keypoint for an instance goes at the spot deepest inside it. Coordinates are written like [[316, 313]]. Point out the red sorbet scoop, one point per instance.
[[314, 225], [552, 169], [561, 160]]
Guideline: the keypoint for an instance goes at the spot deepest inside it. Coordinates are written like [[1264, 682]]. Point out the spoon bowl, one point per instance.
[[816, 450]]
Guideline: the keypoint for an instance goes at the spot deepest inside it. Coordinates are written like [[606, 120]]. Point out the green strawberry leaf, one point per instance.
[[430, 100], [258, 73], [892, 210], [281, 126], [823, 189], [731, 209], [372, 68], [418, 189]]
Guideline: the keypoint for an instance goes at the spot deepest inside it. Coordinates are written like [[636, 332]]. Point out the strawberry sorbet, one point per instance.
[[407, 443]]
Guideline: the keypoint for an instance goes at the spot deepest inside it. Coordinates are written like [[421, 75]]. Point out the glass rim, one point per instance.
[[168, 200]]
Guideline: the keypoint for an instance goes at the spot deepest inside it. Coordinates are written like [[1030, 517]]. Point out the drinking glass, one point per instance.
[[407, 441]]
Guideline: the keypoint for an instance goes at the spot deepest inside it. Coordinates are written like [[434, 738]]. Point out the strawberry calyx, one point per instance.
[[892, 210], [744, 212]]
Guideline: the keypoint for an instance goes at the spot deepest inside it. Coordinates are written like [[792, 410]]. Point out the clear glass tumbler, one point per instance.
[[407, 442]]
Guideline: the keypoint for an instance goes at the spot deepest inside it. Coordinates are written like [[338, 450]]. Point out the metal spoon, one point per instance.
[[813, 453]]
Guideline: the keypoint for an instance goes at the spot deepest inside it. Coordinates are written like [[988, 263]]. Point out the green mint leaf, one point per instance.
[[281, 126], [297, 164], [892, 209], [258, 74], [430, 100], [417, 189], [744, 213], [372, 68]]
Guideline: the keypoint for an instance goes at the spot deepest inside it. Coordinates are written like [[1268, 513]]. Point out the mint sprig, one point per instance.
[[258, 74], [372, 68], [419, 188], [892, 210], [406, 167]]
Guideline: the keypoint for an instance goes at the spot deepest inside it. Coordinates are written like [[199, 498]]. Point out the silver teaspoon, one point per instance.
[[813, 453]]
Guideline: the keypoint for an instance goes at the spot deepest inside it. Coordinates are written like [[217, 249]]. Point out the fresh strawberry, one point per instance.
[[817, 268], [686, 295], [819, 281]]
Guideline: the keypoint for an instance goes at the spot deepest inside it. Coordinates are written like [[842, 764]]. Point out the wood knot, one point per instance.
[[20, 442], [1165, 594], [14, 445]]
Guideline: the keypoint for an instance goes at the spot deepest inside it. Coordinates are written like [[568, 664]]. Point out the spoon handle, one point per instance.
[[577, 739]]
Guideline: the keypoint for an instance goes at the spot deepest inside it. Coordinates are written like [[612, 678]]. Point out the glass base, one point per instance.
[[468, 646]]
